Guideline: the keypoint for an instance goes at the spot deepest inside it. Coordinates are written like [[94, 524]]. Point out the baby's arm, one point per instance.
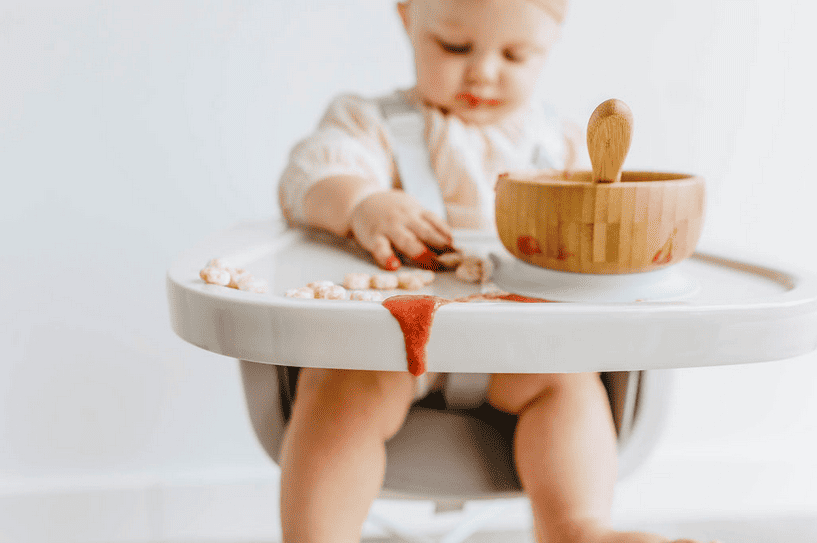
[[381, 220]]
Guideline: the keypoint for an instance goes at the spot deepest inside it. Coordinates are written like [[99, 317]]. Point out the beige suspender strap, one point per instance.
[[407, 128]]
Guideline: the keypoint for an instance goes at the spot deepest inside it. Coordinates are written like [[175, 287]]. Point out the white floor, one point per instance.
[[760, 530], [730, 500], [731, 529]]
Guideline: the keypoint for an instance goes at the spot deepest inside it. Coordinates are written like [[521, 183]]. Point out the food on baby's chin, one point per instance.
[[357, 281], [300, 292]]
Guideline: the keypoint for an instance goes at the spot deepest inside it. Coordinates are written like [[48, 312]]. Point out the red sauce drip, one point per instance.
[[415, 314], [521, 299], [528, 245]]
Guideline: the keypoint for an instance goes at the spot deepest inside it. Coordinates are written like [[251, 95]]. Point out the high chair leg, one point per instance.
[[395, 529], [472, 522]]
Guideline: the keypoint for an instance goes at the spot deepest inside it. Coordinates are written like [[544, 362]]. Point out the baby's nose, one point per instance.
[[483, 69]]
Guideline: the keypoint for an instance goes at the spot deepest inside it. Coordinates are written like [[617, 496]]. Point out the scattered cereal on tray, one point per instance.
[[318, 284], [366, 295], [331, 292], [361, 286], [220, 263], [450, 260], [301, 292], [237, 275], [215, 276], [249, 283], [427, 276], [474, 269], [357, 281], [409, 280], [219, 271], [384, 281]]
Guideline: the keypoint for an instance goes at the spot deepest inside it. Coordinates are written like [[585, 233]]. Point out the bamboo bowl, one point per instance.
[[634, 222]]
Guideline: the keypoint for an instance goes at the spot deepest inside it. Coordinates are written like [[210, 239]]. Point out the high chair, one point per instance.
[[451, 455], [449, 450], [741, 313], [725, 312]]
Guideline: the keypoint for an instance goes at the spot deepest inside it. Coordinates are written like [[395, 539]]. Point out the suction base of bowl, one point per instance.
[[667, 284]]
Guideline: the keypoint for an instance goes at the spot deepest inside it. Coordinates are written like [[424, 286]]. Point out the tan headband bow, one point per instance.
[[556, 8]]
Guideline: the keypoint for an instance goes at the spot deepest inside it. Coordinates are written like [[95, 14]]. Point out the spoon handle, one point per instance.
[[608, 140]]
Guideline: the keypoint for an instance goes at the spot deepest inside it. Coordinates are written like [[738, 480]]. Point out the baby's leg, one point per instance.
[[565, 451], [333, 456]]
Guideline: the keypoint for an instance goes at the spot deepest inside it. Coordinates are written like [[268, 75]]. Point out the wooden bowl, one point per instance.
[[603, 221], [646, 221]]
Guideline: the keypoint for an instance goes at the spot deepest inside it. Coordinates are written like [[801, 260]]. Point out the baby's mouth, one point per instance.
[[476, 101]]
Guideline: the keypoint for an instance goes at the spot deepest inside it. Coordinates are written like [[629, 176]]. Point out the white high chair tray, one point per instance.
[[739, 313]]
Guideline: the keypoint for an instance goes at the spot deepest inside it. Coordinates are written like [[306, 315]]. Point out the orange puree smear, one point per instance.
[[415, 314]]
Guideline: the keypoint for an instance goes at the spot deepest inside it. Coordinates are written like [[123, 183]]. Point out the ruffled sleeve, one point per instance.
[[350, 140]]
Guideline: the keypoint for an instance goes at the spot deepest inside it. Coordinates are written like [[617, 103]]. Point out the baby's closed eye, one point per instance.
[[454, 48]]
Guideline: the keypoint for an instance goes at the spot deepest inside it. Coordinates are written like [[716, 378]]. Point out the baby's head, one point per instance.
[[480, 59]]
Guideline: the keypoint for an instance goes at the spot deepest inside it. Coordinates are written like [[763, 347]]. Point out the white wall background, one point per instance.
[[129, 130]]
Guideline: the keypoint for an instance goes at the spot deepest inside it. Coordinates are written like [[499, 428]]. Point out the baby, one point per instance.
[[477, 64]]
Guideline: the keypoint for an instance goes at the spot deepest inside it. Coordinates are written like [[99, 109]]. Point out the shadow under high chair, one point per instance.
[[452, 456]]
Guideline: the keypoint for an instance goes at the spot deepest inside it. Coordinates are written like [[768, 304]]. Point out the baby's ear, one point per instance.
[[402, 9]]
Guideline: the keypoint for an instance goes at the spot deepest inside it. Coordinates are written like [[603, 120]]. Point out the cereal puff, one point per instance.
[[357, 281], [237, 275], [415, 279], [331, 292], [215, 276], [366, 295], [474, 269], [450, 260], [249, 283], [315, 285], [300, 292], [384, 281]]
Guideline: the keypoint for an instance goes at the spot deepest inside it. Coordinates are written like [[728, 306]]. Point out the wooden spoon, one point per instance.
[[608, 140]]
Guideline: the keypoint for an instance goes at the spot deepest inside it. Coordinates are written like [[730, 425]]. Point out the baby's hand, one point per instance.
[[385, 221]]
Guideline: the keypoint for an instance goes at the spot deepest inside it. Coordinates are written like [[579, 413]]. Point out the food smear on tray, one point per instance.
[[415, 314]]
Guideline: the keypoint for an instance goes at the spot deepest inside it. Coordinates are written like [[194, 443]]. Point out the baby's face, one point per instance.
[[478, 59]]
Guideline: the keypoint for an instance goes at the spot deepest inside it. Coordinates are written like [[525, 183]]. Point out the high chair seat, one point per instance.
[[452, 456], [465, 453]]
